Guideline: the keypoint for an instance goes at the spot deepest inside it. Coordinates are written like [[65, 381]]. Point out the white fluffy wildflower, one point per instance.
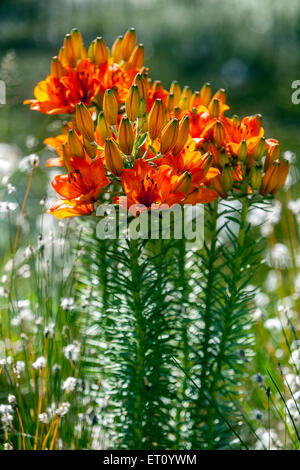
[[261, 299], [293, 405], [67, 303], [49, 330], [31, 141], [72, 351], [6, 414], [69, 384], [28, 163], [6, 207], [271, 282], [7, 446], [267, 437], [40, 363], [295, 358], [19, 368], [11, 189], [294, 206], [63, 409], [279, 256], [273, 324], [44, 418], [11, 399]]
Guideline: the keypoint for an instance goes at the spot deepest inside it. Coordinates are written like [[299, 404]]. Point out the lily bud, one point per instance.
[[205, 94], [185, 98], [136, 60], [206, 162], [195, 100], [113, 157], [182, 183], [282, 173], [214, 108], [242, 151], [183, 135], [57, 69], [75, 145], [256, 177], [156, 119], [77, 42], [259, 149], [227, 177], [128, 43], [116, 49], [270, 179], [126, 137], [223, 159], [91, 51], [219, 134], [220, 95], [67, 157], [110, 107], [103, 127], [100, 51], [169, 136], [85, 122], [217, 184], [176, 91], [90, 148], [236, 120], [69, 50], [140, 81], [132, 102], [170, 102], [272, 155], [62, 56]]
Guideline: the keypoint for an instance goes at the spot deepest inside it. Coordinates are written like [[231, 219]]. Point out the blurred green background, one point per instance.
[[249, 47]]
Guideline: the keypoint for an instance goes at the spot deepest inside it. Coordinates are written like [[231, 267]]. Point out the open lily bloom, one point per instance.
[[79, 189], [78, 76]]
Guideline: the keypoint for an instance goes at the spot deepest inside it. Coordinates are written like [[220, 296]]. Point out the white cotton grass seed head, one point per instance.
[[44, 418], [6, 207], [27, 164], [19, 368], [279, 256], [63, 409], [7, 446], [6, 414], [11, 189], [49, 330], [67, 304], [295, 358], [12, 399], [40, 363], [72, 351], [69, 384], [273, 324]]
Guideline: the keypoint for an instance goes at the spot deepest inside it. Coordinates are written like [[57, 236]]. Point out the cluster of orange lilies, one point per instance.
[[145, 145]]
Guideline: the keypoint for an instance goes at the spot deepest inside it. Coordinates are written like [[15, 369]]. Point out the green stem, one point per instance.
[[182, 287], [229, 309], [140, 345], [208, 317]]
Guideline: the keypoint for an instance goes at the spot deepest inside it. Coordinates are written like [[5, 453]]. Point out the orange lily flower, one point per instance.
[[156, 91], [77, 79], [60, 95], [147, 187], [79, 189], [192, 162], [249, 130]]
